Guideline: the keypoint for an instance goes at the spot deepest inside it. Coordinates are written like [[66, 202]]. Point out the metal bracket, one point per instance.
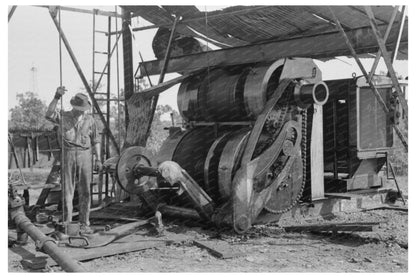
[[39, 244]]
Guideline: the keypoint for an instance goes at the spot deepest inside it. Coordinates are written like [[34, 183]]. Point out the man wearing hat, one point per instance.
[[79, 137]]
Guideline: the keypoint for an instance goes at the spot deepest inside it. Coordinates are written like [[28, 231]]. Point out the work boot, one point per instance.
[[85, 230]]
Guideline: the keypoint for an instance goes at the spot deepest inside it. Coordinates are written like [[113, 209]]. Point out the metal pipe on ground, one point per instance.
[[46, 243]]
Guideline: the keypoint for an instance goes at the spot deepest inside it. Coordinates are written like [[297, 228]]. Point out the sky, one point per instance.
[[33, 43]]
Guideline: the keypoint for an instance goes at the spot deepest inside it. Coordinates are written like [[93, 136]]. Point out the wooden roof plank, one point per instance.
[[317, 46]]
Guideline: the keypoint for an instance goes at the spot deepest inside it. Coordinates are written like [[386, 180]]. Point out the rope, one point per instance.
[[61, 125]]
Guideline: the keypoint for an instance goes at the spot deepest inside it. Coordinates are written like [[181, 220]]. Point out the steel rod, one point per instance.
[[83, 79], [107, 139], [118, 88], [62, 160]]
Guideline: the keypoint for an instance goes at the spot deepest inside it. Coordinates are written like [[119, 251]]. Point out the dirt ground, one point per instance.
[[269, 249]]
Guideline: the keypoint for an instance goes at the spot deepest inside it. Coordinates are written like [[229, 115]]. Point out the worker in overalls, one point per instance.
[[79, 137]]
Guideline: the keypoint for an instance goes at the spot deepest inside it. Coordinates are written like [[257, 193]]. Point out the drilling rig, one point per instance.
[[243, 151]]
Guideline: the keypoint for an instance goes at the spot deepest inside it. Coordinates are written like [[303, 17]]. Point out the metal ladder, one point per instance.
[[100, 179]]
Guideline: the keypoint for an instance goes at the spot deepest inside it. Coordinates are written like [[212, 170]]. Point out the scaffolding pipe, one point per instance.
[[45, 243]]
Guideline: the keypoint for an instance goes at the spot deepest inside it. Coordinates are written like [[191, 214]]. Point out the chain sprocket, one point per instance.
[[279, 198]]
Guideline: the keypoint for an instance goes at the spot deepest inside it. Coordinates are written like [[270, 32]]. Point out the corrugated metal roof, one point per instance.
[[242, 25]]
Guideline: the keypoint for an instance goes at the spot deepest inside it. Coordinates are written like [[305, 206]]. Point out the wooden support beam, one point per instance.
[[369, 81], [317, 153], [399, 35], [85, 11], [316, 46], [83, 79], [387, 58], [386, 35], [11, 12], [156, 90], [155, 98]]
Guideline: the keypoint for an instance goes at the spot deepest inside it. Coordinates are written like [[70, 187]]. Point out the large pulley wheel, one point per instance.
[[125, 174]]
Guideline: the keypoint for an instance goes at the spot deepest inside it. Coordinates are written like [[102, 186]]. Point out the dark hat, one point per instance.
[[80, 102]]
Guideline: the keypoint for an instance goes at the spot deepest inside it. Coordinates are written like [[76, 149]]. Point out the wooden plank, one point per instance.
[[109, 216], [317, 154], [339, 195], [326, 45], [344, 227], [157, 89], [218, 248], [81, 254], [387, 207]]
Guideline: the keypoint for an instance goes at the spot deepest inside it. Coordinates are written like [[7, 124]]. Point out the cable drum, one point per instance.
[[188, 95], [260, 83], [228, 94]]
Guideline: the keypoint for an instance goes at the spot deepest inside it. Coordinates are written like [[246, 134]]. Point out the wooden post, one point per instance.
[[317, 154], [162, 76], [127, 57], [11, 12]]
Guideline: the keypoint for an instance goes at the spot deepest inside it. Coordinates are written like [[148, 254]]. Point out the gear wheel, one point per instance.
[[273, 123]]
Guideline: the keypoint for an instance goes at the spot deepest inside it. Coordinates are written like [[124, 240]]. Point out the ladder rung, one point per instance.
[[100, 93], [99, 72], [101, 52], [102, 32]]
